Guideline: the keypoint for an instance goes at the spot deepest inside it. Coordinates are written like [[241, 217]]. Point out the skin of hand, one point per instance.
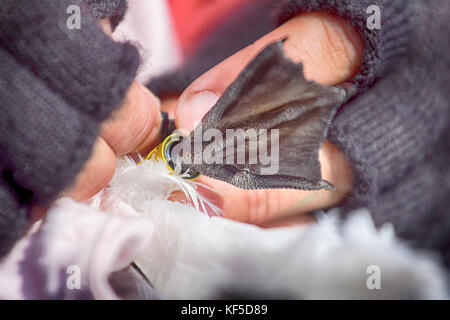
[[132, 129], [331, 52]]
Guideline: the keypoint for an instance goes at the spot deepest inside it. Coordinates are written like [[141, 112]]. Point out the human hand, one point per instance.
[[132, 129], [330, 51]]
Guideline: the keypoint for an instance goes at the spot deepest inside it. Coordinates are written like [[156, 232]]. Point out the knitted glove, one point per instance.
[[56, 86], [395, 134], [107, 8]]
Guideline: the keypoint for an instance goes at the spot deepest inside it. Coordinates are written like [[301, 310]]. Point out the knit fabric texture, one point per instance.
[[107, 8], [395, 133], [56, 86]]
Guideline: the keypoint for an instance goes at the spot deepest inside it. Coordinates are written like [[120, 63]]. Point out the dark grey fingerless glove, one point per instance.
[[395, 134], [107, 8], [56, 86]]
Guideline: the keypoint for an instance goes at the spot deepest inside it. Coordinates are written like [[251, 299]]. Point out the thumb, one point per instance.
[[327, 45]]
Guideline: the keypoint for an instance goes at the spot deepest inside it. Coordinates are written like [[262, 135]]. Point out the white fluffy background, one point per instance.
[[192, 256]]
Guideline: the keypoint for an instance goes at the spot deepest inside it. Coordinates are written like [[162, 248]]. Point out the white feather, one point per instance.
[[142, 185]]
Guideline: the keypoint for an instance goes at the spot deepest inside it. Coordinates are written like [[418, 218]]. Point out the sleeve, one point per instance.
[[395, 131], [57, 85]]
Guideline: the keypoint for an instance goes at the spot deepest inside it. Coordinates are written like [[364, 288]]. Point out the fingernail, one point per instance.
[[193, 107]]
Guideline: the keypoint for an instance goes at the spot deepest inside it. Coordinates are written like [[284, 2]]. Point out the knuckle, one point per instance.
[[262, 205], [337, 47], [327, 45], [131, 125]]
